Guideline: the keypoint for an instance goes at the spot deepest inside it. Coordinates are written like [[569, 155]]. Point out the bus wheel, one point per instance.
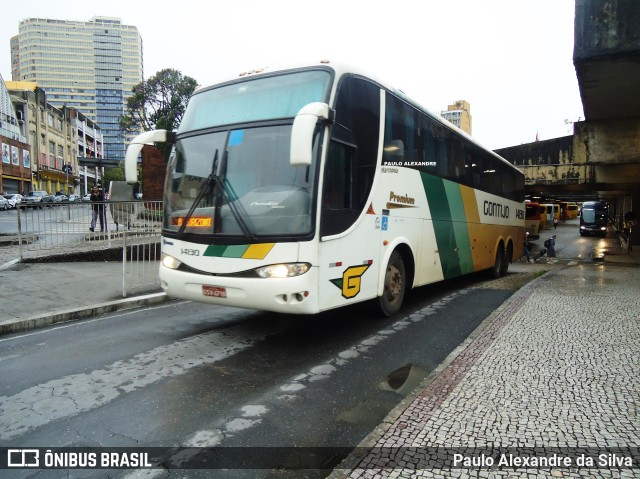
[[506, 260], [394, 285], [497, 269]]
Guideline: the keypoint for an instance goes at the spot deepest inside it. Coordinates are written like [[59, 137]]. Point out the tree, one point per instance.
[[158, 103], [113, 174]]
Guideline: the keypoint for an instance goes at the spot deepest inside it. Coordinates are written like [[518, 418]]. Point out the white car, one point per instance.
[[73, 198], [14, 200], [4, 203]]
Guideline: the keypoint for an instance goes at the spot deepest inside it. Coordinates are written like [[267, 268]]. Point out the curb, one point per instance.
[[9, 264], [17, 325]]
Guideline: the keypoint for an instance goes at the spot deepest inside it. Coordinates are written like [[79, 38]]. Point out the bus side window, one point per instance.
[[337, 177], [351, 159], [337, 208]]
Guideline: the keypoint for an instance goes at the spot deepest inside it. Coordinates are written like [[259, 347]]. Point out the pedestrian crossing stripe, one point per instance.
[[247, 251]]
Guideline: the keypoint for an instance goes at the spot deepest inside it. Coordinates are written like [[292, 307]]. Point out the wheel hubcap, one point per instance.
[[393, 283]]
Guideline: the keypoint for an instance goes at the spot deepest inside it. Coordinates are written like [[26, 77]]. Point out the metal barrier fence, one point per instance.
[[69, 229]]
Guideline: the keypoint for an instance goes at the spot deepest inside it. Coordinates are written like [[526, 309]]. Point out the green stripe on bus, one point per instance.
[[234, 251], [247, 251], [449, 224], [213, 250], [459, 224]]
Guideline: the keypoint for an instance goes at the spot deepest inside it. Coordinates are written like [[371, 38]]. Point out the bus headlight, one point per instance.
[[170, 262], [283, 270]]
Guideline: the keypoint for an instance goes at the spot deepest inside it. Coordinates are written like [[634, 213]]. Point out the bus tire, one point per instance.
[[497, 269], [507, 259], [395, 280]]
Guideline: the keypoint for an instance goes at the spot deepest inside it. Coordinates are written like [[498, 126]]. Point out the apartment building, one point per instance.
[[459, 113], [56, 138]]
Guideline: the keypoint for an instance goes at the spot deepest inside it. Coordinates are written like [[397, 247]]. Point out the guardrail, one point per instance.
[[74, 228]]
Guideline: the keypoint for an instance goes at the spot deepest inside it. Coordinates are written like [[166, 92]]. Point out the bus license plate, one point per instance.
[[214, 291]]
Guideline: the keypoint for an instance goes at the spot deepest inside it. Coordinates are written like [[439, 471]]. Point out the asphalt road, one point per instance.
[[186, 374]]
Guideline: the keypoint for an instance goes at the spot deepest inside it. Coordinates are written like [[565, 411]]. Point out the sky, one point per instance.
[[512, 60]]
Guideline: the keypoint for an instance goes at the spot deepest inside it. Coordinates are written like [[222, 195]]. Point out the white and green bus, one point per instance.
[[314, 187]]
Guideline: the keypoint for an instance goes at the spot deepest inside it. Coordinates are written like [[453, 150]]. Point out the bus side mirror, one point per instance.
[[304, 124], [133, 151]]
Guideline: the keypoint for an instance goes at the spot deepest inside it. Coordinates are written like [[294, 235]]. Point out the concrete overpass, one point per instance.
[[602, 158]]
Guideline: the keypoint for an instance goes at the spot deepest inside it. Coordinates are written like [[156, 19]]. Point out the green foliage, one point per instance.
[[113, 174], [158, 103]]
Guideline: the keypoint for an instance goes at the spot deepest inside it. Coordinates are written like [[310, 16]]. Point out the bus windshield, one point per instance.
[[259, 99], [238, 183], [594, 214], [229, 174]]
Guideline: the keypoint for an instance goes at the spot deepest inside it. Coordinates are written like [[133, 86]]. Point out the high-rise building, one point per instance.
[[459, 114], [91, 66]]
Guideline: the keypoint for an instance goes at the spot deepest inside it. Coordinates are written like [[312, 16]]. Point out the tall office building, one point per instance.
[[91, 66]]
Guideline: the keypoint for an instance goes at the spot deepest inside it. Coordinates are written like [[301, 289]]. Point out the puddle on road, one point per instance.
[[402, 381]]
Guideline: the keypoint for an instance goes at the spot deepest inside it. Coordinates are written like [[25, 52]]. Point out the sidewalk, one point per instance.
[[549, 382], [36, 294]]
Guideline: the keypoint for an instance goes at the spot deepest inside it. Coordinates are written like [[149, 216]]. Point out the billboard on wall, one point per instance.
[[11, 155], [5, 153], [15, 158]]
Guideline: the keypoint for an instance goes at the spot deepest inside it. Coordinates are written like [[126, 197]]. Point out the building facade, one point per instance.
[[55, 138], [89, 66], [459, 114], [90, 144], [15, 151]]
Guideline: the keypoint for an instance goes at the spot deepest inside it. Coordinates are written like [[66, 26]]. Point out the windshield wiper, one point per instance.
[[204, 188], [214, 179], [236, 210], [232, 203]]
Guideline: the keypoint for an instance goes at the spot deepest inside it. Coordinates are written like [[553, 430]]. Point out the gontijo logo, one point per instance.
[[351, 280]]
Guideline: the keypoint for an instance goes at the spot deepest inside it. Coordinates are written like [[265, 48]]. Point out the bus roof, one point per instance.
[[341, 68]]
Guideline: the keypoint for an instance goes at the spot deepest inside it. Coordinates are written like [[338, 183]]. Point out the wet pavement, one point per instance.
[[547, 386], [45, 289], [553, 372]]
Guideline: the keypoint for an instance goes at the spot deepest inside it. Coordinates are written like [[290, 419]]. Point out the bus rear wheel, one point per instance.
[[508, 255], [394, 285], [498, 267]]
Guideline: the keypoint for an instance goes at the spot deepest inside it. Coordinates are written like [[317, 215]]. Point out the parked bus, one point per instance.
[[594, 218], [550, 211], [533, 220], [315, 187], [568, 210], [572, 211]]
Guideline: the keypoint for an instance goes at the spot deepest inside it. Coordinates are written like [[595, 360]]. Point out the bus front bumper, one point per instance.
[[295, 295]]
